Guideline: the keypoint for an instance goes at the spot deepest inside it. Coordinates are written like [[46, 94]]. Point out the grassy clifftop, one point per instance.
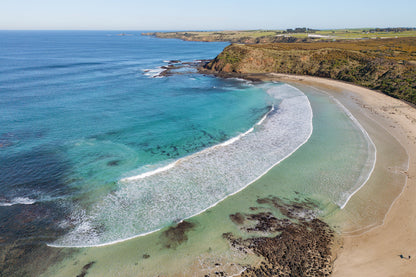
[[289, 35], [232, 36], [388, 65]]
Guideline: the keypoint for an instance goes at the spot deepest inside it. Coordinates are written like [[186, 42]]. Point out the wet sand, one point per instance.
[[387, 249]]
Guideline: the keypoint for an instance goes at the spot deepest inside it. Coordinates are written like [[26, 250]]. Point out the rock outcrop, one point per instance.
[[387, 65]]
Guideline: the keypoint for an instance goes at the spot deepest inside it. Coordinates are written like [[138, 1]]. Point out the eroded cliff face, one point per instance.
[[385, 65]]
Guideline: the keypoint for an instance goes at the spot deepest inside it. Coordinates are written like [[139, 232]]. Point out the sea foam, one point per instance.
[[17, 201], [190, 185], [154, 72]]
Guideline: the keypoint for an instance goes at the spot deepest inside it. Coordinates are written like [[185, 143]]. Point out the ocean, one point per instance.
[[97, 148]]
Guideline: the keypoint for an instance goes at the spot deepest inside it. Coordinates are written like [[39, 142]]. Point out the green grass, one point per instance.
[[235, 36], [363, 33]]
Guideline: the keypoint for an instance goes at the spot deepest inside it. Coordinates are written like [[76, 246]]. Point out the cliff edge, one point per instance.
[[387, 65]]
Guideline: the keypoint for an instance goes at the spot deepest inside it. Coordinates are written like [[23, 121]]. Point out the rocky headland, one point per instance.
[[386, 65], [247, 37]]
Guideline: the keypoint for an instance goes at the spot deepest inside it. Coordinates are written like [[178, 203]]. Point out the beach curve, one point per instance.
[[384, 249]]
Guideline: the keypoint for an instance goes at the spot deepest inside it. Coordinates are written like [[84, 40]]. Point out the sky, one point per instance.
[[203, 14]]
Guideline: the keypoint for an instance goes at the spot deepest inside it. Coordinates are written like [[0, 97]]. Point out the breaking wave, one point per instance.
[[17, 201], [147, 202]]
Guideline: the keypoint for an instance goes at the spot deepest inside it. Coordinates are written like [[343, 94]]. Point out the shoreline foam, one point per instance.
[[368, 138]]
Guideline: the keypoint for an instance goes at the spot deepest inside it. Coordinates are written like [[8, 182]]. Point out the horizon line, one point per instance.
[[208, 30]]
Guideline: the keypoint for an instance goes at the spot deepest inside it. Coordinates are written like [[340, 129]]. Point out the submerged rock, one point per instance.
[[176, 235], [237, 218], [85, 269]]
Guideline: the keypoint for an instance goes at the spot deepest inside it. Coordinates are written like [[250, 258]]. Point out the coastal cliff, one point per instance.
[[247, 37], [387, 65]]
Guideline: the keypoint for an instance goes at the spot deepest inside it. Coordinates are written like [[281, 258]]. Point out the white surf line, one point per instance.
[[18, 201], [107, 243], [371, 227], [357, 123], [353, 119], [172, 165], [219, 201]]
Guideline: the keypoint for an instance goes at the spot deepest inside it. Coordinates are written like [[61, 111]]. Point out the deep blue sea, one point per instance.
[[96, 147]]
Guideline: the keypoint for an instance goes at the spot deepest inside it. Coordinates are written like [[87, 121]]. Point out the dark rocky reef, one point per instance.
[[177, 67], [85, 269], [299, 244], [24, 232]]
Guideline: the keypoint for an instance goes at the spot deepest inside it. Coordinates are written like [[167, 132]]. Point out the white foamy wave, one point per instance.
[[192, 184], [153, 73], [241, 80], [367, 167], [150, 173], [171, 165], [361, 171], [18, 201]]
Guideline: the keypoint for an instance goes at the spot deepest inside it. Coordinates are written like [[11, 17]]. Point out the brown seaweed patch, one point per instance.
[[29, 258], [301, 210], [85, 269], [114, 163], [237, 218], [176, 235], [266, 222]]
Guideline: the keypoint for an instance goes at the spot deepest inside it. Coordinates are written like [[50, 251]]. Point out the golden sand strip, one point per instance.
[[388, 249]]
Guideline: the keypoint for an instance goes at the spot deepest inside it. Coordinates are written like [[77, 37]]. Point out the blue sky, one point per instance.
[[203, 15]]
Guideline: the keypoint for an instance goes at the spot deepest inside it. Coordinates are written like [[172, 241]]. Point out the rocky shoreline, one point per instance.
[[294, 243], [301, 247]]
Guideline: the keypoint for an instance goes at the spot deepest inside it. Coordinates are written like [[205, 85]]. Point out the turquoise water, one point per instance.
[[99, 148], [79, 111]]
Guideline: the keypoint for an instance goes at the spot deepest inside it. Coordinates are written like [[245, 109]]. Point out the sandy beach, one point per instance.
[[389, 248]]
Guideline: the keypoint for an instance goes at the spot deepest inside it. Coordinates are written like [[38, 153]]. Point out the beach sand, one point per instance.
[[383, 250]]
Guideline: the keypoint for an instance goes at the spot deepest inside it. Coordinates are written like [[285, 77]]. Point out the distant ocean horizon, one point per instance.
[[97, 147]]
